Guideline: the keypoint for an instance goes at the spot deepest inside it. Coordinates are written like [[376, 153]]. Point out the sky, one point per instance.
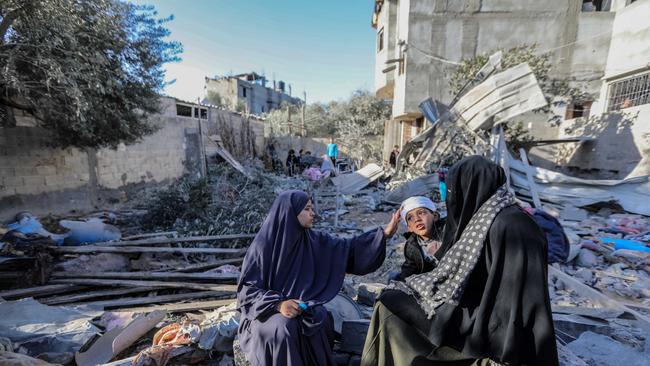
[[325, 48]]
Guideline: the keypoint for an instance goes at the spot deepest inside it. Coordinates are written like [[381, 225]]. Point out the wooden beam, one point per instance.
[[66, 299], [188, 239], [179, 308], [129, 361], [531, 182], [150, 235], [111, 249], [206, 266], [39, 291], [154, 299], [133, 283], [150, 276], [590, 293]]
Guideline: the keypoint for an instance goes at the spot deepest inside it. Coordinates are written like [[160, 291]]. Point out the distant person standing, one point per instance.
[[442, 185], [291, 162], [332, 151], [393, 157]]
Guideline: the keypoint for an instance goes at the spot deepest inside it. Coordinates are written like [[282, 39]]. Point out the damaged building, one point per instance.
[[600, 47], [251, 91]]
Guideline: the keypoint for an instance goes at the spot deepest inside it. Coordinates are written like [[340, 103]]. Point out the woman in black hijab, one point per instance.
[[487, 300]]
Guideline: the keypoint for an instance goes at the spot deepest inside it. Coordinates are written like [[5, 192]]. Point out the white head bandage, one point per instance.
[[416, 202]]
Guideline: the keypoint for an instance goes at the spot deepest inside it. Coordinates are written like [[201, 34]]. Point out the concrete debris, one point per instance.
[[118, 339], [600, 350], [17, 359], [368, 293]]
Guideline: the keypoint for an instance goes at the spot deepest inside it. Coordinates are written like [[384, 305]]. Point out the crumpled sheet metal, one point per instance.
[[421, 186], [501, 97], [354, 182], [118, 339], [632, 194], [40, 328], [219, 329]]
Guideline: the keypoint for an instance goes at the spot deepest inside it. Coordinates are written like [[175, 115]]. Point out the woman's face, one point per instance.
[[420, 221], [306, 216]]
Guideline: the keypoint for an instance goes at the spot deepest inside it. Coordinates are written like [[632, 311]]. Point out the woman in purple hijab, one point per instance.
[[289, 272]]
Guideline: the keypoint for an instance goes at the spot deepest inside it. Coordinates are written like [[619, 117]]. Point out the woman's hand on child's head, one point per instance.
[[391, 227], [290, 308]]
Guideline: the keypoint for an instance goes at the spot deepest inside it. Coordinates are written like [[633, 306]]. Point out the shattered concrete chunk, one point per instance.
[[368, 293]]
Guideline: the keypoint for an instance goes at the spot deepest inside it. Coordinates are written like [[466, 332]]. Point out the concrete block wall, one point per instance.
[[29, 165], [158, 157], [36, 177]]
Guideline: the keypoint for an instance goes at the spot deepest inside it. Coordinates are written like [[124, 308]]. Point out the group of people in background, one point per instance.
[[297, 164], [472, 290]]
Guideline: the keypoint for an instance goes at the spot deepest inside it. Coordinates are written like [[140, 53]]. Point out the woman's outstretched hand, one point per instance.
[[391, 228], [290, 308]]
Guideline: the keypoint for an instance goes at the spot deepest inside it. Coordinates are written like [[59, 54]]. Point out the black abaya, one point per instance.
[[504, 313]]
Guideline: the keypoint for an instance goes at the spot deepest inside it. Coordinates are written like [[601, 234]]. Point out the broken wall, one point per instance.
[[621, 145], [42, 179], [243, 136]]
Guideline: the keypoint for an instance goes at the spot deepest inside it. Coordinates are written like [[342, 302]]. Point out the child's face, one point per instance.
[[420, 221]]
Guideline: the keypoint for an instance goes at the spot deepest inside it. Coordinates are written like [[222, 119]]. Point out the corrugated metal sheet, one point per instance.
[[417, 187], [632, 194], [354, 182], [500, 97]]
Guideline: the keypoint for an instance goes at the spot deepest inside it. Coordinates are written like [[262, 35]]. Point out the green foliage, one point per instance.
[[516, 137], [89, 70], [187, 199], [357, 123], [226, 203]]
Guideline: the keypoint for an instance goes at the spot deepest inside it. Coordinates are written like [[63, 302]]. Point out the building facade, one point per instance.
[[420, 42], [250, 92]]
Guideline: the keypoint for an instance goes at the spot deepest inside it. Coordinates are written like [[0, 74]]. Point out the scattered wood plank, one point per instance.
[[66, 299], [150, 276], [207, 266], [588, 292], [150, 235], [107, 249], [179, 308], [39, 291], [529, 176], [145, 300], [129, 361], [187, 239], [133, 283]]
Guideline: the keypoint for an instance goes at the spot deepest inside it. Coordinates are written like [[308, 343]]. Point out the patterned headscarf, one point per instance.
[[446, 283]]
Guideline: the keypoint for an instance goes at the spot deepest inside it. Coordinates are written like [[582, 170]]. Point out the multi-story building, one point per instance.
[[602, 47], [250, 91]]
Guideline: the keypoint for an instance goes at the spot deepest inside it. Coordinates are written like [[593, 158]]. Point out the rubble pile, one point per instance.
[[226, 202], [157, 265]]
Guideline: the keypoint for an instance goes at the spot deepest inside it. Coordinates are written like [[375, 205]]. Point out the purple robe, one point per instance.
[[286, 261]]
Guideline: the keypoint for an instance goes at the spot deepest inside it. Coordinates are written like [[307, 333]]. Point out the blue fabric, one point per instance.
[[332, 150], [443, 191], [558, 243], [626, 244]]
